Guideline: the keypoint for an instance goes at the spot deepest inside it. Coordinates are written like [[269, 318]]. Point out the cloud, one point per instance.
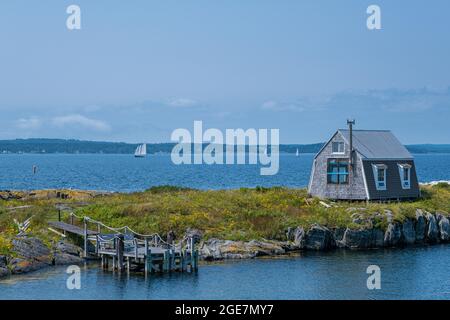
[[181, 103], [386, 100], [29, 123], [269, 105], [276, 106], [80, 120]]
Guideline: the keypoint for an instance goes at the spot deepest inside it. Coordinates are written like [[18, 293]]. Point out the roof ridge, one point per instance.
[[374, 130]]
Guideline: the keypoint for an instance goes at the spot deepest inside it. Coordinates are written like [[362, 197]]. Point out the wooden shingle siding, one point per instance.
[[394, 188], [319, 187]]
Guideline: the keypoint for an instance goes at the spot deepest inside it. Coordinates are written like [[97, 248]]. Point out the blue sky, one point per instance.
[[138, 70]]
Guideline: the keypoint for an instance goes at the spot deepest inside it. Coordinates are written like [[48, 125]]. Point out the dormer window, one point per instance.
[[338, 147], [405, 175], [379, 173]]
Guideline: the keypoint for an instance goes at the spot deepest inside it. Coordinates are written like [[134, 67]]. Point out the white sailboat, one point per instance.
[[297, 153], [141, 151]]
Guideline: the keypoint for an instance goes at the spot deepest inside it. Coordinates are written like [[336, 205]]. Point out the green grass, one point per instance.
[[241, 214]]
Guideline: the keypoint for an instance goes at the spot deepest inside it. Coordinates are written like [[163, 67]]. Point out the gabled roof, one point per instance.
[[376, 144]]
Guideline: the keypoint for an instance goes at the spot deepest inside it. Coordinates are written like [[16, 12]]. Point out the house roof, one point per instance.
[[376, 144]]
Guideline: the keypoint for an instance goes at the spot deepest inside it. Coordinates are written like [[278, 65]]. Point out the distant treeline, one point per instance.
[[79, 146]]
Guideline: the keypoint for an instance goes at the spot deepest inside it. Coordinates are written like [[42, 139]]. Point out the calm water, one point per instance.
[[417, 273], [126, 173]]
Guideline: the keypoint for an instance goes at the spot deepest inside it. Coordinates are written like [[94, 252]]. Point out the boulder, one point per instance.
[[68, 248], [61, 258], [377, 238], [264, 248], [290, 233], [393, 235], [32, 249], [210, 250], [389, 216], [215, 249], [338, 234], [20, 265], [4, 272], [420, 226], [444, 229], [319, 238], [357, 239], [236, 250], [432, 231], [196, 234], [3, 262], [408, 232], [362, 238], [297, 236]]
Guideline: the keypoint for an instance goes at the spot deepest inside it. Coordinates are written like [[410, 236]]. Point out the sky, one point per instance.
[[137, 70]]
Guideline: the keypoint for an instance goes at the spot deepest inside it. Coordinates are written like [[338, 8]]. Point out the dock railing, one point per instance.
[[124, 243]]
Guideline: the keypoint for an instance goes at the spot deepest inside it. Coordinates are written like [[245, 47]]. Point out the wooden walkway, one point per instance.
[[70, 228], [126, 248]]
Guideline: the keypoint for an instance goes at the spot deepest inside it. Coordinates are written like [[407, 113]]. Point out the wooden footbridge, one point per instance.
[[125, 248]]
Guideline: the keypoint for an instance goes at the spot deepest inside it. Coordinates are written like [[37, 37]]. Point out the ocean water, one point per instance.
[[126, 173], [414, 273]]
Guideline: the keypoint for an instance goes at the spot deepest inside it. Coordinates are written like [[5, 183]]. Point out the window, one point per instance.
[[338, 147], [337, 171], [379, 173], [405, 175]]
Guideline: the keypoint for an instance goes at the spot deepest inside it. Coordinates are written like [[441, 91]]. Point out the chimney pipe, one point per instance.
[[350, 124]]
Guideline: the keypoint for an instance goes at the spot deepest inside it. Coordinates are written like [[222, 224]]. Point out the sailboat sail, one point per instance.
[[141, 150], [297, 153]]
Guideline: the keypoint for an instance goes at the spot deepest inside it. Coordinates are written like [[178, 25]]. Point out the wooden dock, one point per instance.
[[70, 228], [122, 248]]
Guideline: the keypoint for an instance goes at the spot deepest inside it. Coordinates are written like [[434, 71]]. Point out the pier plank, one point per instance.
[[67, 227]]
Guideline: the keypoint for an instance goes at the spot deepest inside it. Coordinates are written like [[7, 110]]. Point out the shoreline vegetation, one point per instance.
[[72, 146], [226, 224]]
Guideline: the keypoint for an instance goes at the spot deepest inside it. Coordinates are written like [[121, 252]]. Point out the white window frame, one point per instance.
[[378, 185], [406, 184], [339, 142]]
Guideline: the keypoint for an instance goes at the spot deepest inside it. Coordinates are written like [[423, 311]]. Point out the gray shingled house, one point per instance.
[[379, 167]]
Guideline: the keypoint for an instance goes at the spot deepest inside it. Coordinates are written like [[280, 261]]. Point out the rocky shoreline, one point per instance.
[[31, 254], [424, 229]]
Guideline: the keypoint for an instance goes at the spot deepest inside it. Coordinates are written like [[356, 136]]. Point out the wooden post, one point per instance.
[[195, 260], [71, 218], [171, 260], [119, 251], [147, 258], [183, 260], [166, 261], [97, 245], [85, 233], [59, 214]]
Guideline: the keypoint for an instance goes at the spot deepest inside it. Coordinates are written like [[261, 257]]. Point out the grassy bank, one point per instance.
[[242, 214]]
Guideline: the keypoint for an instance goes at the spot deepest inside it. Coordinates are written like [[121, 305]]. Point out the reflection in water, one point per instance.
[[414, 273]]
